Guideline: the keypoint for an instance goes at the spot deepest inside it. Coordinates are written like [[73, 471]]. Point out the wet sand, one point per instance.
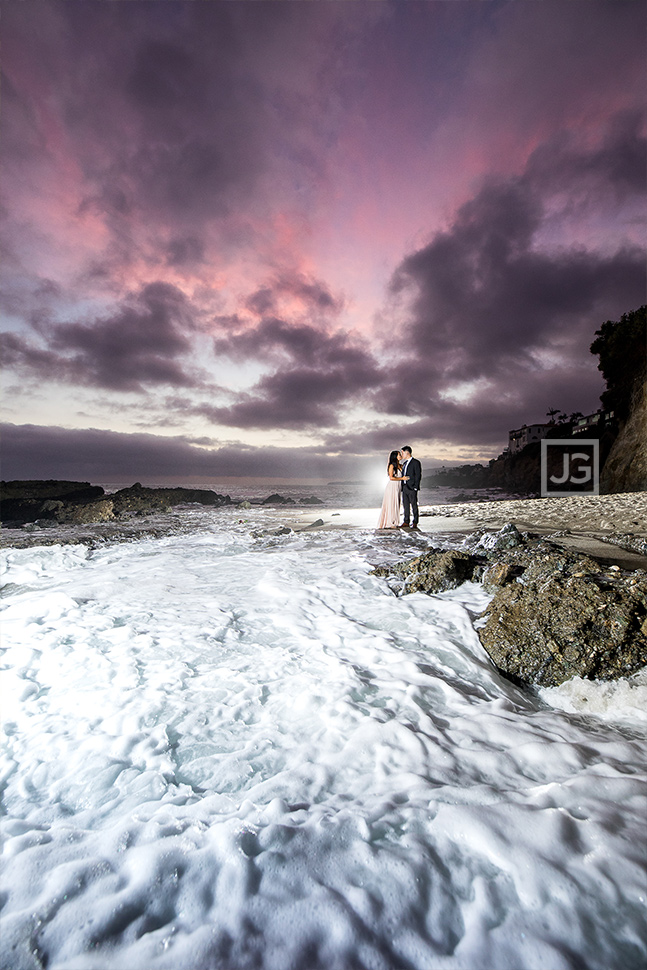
[[590, 514], [609, 527]]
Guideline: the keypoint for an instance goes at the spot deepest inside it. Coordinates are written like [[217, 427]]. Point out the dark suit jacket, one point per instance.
[[414, 471]]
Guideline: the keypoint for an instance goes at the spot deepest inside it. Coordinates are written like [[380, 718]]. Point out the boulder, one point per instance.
[[555, 614], [433, 572], [142, 501], [276, 499], [568, 617], [508, 537], [101, 511], [498, 575]]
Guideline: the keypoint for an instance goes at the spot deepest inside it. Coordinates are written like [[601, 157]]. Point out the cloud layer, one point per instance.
[[319, 225]]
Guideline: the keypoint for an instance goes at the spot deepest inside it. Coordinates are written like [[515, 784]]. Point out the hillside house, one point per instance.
[[591, 422], [527, 433]]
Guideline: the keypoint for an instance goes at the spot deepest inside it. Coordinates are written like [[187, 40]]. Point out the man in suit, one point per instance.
[[412, 468]]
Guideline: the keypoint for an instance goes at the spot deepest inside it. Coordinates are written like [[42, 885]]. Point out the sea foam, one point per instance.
[[229, 749]]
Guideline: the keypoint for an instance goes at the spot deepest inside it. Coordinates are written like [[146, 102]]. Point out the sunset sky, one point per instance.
[[279, 239]]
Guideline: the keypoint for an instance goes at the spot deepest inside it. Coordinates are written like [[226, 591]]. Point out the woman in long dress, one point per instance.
[[390, 511]]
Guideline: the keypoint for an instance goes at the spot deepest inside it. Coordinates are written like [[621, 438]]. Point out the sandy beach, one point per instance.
[[591, 514], [613, 526]]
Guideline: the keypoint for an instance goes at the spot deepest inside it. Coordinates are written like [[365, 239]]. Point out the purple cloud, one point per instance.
[[492, 314], [139, 344]]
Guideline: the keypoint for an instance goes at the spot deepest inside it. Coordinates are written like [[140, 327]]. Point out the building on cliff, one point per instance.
[[593, 422], [527, 433]]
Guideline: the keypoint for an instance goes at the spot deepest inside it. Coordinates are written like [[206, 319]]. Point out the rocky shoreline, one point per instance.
[[37, 505], [554, 613], [568, 579]]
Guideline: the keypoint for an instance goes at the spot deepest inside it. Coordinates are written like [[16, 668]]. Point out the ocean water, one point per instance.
[[228, 749], [364, 494]]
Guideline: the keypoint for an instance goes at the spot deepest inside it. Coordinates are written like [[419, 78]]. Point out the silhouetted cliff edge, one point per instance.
[[622, 347]]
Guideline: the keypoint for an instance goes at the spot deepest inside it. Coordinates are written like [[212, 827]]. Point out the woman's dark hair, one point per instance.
[[393, 460]]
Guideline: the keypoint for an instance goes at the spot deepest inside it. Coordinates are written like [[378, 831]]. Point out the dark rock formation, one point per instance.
[[567, 617], [27, 501], [79, 503], [625, 469], [276, 499], [141, 500], [433, 572], [622, 348], [555, 614], [73, 513]]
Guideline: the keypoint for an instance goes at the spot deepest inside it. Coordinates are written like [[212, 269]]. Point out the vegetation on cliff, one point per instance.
[[622, 348]]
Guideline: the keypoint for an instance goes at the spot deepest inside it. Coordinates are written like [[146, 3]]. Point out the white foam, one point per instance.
[[232, 750], [618, 700]]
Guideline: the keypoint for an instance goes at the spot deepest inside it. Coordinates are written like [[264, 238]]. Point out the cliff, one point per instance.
[[625, 469], [622, 348]]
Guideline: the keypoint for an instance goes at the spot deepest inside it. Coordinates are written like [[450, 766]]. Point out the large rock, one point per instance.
[[276, 499], [87, 513], [555, 613], [433, 572], [74, 503], [567, 617], [141, 500], [27, 501]]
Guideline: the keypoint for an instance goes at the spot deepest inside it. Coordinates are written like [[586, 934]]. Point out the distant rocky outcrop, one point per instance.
[[276, 499], [79, 503], [554, 615], [141, 500]]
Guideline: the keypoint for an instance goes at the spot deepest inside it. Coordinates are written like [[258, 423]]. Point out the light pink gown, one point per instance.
[[390, 511]]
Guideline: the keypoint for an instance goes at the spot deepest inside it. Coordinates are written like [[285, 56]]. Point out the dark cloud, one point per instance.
[[32, 451], [185, 251], [138, 345], [482, 422], [317, 375], [262, 301], [23, 354], [311, 294], [173, 115], [496, 322], [616, 166]]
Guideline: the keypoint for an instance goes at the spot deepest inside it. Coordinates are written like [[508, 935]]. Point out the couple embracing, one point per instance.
[[405, 473]]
